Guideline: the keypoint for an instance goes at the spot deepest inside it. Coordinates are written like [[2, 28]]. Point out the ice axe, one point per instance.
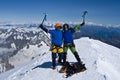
[[44, 19], [84, 13]]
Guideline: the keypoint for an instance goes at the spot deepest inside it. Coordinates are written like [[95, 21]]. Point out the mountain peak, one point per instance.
[[101, 60]]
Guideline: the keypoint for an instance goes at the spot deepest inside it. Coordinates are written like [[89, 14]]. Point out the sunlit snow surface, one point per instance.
[[102, 62]]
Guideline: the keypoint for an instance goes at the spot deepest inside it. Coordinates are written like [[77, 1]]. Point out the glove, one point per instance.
[[82, 24], [43, 28], [41, 25]]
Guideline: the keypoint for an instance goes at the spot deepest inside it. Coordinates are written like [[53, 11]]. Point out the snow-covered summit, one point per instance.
[[102, 62]]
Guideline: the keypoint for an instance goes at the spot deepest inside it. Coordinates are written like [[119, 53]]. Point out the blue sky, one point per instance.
[[99, 11]]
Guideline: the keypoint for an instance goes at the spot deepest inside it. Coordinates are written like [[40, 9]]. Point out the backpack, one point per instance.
[[71, 69]]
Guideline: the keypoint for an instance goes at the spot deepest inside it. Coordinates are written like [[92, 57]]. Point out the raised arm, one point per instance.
[[77, 27], [43, 28]]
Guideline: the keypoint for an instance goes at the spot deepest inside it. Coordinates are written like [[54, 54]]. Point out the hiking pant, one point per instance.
[[54, 56], [56, 51], [71, 46]]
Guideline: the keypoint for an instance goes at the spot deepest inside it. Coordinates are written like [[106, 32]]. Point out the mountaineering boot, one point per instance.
[[59, 61], [83, 68], [53, 68], [79, 61]]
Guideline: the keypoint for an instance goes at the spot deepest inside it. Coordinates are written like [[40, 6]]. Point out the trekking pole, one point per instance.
[[84, 13]]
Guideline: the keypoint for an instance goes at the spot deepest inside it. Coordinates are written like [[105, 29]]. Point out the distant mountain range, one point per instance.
[[109, 35]]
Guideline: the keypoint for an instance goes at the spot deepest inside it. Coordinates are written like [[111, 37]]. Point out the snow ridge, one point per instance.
[[102, 62]]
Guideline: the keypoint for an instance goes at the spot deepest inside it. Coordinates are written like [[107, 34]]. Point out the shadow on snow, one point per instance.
[[44, 65]]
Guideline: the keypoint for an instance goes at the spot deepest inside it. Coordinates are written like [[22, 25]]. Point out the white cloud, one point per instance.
[[51, 23]]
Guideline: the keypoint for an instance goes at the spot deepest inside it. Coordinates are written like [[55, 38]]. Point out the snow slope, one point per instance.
[[102, 62], [24, 55]]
